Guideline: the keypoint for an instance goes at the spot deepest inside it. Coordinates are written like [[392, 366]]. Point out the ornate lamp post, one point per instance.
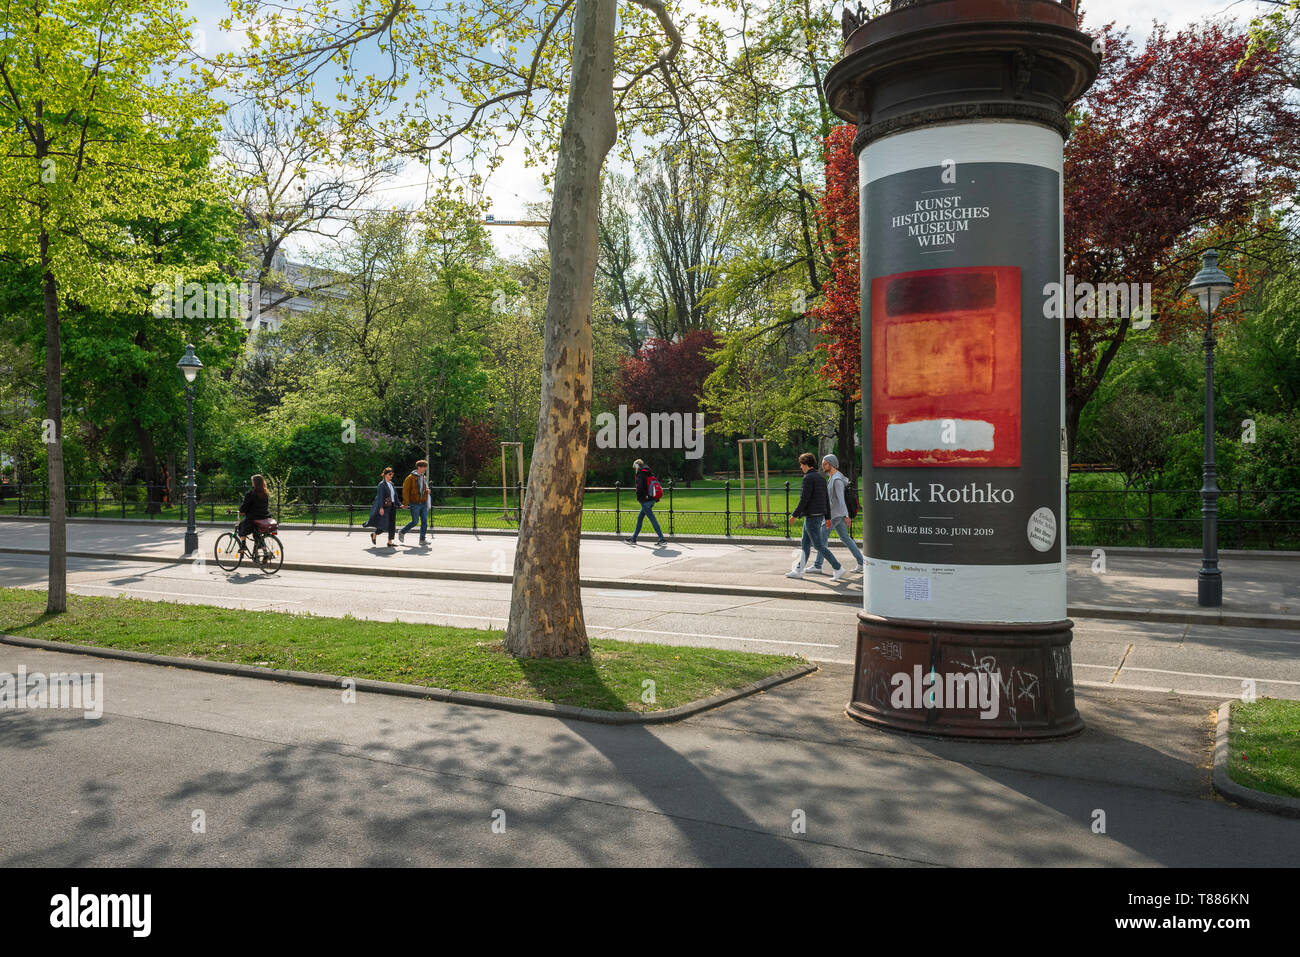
[[1210, 287], [190, 366]]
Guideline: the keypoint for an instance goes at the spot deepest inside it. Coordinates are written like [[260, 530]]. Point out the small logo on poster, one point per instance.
[[1042, 529]]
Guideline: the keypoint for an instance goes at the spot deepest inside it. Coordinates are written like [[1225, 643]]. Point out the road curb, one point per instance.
[[1108, 612], [1239, 793], [470, 698], [1133, 551], [1236, 619]]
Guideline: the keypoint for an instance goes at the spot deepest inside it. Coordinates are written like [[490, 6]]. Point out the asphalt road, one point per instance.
[[1199, 660]]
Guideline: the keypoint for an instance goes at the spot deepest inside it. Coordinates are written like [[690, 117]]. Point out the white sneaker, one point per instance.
[[838, 573], [795, 572], [859, 569]]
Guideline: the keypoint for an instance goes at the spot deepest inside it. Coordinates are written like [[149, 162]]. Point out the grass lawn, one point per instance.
[[459, 659], [1264, 746]]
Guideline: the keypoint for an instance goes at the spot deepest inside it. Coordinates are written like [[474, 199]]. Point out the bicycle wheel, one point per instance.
[[227, 549], [271, 557]]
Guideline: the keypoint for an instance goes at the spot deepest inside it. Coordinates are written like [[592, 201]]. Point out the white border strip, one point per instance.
[[984, 141]]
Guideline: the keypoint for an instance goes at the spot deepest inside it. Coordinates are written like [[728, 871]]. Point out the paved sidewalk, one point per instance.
[[1257, 591], [287, 776]]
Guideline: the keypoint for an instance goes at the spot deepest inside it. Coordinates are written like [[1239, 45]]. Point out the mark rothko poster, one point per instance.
[[963, 374]]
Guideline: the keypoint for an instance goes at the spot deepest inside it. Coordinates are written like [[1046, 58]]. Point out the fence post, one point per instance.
[[315, 502], [121, 497], [20, 499], [519, 503], [787, 508], [670, 506], [473, 491], [44, 509], [277, 503], [95, 492], [1065, 519], [1240, 531], [728, 508], [349, 488], [618, 488], [1151, 522]]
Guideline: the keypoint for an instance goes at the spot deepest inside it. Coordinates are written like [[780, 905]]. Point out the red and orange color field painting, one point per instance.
[[945, 375]]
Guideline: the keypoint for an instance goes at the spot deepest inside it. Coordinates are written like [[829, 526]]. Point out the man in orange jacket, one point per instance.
[[415, 495]]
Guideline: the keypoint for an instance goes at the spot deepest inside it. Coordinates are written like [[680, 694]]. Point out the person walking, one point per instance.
[[415, 493], [646, 486], [814, 507], [839, 514], [383, 510]]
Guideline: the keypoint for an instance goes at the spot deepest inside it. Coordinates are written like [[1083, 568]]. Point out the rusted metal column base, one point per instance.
[[1024, 679]]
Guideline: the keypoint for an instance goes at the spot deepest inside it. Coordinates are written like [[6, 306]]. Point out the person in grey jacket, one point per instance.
[[839, 517]]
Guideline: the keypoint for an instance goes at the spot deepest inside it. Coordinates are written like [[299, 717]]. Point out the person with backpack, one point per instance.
[[648, 491], [814, 508], [844, 508]]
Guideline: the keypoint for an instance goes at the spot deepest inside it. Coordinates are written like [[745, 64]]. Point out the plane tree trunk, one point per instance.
[[546, 618]]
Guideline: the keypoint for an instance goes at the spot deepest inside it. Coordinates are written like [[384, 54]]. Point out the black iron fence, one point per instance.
[[1149, 517], [1138, 517]]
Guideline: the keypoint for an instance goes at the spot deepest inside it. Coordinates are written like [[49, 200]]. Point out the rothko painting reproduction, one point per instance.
[[945, 368]]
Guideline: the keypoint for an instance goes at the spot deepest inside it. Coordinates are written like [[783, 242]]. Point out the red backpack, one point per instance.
[[654, 488]]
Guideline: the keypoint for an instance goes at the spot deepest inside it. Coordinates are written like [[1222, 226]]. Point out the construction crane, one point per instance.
[[491, 220]]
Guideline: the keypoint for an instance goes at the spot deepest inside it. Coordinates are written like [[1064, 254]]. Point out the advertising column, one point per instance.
[[964, 628]]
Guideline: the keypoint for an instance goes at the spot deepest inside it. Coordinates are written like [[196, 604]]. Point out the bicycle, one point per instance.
[[266, 552]]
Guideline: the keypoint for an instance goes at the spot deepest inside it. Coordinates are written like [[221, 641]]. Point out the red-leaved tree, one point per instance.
[[665, 376], [838, 315], [1179, 146]]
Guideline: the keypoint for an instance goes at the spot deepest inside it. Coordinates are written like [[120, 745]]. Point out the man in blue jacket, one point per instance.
[[814, 508]]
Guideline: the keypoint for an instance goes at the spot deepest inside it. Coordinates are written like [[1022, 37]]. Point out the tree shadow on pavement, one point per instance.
[[719, 832]]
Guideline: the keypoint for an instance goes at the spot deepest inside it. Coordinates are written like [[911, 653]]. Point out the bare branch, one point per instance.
[[661, 62]]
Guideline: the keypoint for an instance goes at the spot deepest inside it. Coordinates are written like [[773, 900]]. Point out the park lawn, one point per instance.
[[1264, 746], [458, 659]]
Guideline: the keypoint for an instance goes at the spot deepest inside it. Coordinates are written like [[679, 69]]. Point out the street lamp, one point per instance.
[[190, 366], [1210, 287]]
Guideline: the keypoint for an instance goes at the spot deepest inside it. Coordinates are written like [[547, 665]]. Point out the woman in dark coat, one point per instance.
[[256, 504], [383, 510]]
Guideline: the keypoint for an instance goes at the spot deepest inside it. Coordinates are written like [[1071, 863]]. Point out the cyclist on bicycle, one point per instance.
[[257, 505]]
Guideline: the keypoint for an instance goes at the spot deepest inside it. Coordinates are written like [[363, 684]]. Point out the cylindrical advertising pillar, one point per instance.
[[961, 113]]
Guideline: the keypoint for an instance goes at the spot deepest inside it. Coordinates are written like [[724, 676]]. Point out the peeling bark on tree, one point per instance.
[[546, 618]]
